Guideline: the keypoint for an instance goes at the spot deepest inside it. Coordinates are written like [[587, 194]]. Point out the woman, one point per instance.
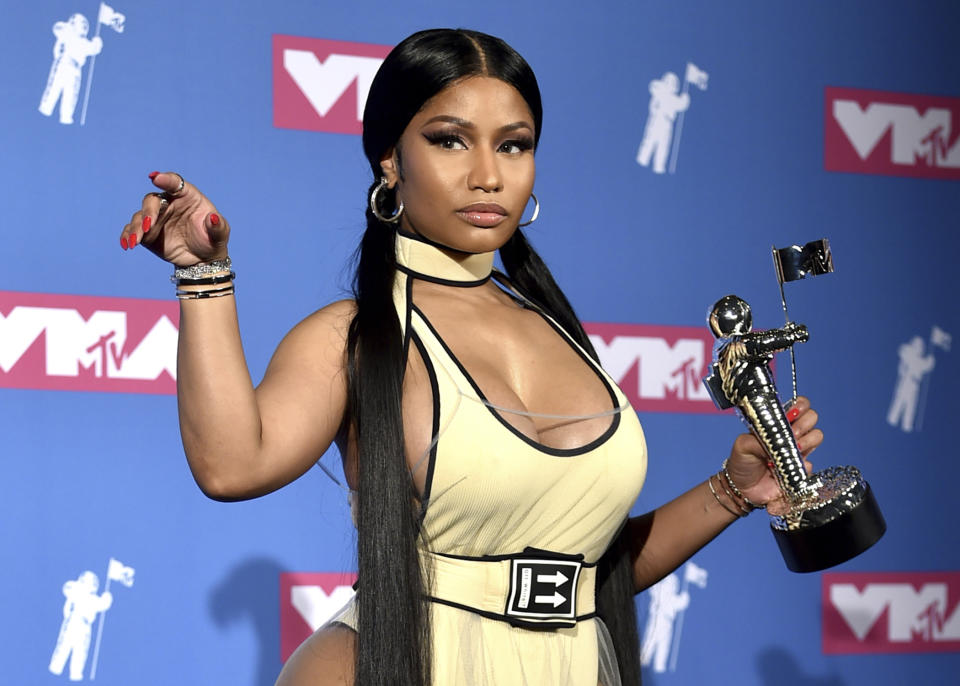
[[490, 453]]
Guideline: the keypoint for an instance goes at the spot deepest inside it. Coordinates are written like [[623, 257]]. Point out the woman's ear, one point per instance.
[[389, 167]]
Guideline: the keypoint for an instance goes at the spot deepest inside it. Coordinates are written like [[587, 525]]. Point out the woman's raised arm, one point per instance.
[[240, 441]]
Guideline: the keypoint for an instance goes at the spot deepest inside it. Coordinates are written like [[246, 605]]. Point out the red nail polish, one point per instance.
[[215, 219], [793, 413], [123, 242], [153, 175], [147, 221], [133, 240]]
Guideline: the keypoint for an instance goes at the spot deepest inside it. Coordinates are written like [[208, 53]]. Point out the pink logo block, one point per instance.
[[898, 134], [659, 368], [322, 85], [891, 612], [86, 343], [308, 600]]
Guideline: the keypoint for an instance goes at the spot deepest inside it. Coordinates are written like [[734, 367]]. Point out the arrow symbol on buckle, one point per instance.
[[556, 599], [558, 579]]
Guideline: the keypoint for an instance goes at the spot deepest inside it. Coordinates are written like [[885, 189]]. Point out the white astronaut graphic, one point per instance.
[[668, 602], [914, 365], [664, 125], [666, 101], [70, 52], [80, 609]]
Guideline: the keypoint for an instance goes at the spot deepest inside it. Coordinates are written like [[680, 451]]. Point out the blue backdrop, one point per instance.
[[93, 472]]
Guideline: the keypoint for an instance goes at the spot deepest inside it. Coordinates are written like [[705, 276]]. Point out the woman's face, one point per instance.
[[464, 165]]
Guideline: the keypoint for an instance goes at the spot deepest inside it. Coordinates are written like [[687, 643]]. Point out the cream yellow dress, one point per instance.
[[493, 493]]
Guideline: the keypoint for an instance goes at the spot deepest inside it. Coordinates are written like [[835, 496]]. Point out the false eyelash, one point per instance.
[[523, 144], [437, 137]]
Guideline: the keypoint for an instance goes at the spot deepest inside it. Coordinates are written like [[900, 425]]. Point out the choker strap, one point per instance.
[[423, 260]]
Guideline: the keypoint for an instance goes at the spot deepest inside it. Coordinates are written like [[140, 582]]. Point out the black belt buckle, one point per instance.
[[543, 589]]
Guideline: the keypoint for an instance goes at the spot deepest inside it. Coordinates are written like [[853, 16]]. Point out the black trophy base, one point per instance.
[[812, 549]]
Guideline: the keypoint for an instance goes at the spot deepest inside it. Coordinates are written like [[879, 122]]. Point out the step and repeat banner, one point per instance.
[[681, 142]]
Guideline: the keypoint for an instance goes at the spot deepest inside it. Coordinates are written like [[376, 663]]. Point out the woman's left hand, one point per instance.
[[748, 464]]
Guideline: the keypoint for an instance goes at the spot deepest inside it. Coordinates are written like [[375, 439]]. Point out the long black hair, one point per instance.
[[393, 640]]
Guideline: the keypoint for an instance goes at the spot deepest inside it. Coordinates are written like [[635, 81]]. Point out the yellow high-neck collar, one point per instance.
[[421, 259]]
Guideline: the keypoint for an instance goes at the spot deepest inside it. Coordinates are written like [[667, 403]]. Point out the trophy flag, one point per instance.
[[795, 262]]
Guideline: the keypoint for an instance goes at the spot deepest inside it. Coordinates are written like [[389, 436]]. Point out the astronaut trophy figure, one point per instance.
[[825, 518], [743, 360]]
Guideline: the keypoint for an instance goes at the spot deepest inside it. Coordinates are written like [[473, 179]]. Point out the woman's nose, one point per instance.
[[484, 173]]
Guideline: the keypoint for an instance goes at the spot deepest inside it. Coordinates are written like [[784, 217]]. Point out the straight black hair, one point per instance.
[[393, 643]]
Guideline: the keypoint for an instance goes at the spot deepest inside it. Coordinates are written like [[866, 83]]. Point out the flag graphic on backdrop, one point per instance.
[[116, 571], [109, 17]]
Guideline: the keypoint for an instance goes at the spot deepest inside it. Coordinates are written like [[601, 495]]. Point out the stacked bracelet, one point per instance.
[[216, 273], [741, 503], [736, 491], [201, 270], [742, 513], [208, 281]]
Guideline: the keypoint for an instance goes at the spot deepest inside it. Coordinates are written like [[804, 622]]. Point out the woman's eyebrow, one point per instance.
[[470, 125]]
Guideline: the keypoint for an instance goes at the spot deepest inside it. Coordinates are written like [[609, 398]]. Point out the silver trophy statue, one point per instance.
[[825, 518]]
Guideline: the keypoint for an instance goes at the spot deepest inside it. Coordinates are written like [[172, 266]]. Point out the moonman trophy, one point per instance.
[[822, 519]]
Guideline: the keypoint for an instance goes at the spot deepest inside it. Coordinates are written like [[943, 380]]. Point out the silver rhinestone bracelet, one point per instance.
[[201, 269]]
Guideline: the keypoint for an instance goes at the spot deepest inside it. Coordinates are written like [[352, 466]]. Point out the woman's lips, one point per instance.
[[484, 215]]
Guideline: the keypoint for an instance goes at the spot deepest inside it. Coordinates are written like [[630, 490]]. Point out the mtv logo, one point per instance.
[[84, 343], [307, 601], [899, 134], [322, 85], [659, 368], [891, 612]]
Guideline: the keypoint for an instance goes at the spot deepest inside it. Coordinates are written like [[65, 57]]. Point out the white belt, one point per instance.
[[533, 589]]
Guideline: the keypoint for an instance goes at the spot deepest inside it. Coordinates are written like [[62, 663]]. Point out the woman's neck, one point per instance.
[[430, 262]]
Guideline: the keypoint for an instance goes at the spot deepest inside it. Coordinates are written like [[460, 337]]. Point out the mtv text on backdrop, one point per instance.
[[891, 612], [897, 134], [88, 343], [658, 367]]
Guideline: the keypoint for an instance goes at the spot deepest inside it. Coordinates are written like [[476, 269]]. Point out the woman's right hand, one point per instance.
[[187, 230]]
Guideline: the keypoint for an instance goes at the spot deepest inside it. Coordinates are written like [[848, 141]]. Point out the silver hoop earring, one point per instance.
[[536, 212], [374, 201]]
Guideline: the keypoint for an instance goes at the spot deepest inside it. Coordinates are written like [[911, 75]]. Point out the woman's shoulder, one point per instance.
[[323, 330], [337, 315]]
